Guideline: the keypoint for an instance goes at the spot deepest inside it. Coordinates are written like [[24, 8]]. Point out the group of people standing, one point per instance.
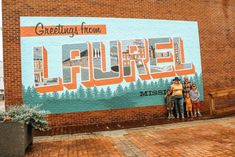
[[183, 96]]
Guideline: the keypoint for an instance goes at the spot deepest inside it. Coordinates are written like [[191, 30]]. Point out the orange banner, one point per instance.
[[62, 30]]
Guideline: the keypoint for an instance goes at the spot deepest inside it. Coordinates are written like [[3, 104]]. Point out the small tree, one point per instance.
[[196, 79], [102, 94], [72, 95], [28, 96], [35, 96], [95, 92], [44, 97], [49, 96], [167, 84], [161, 83], [156, 84], [55, 96], [132, 87], [145, 85], [152, 85], [109, 92], [125, 90], [62, 97], [81, 93], [119, 90], [89, 93], [138, 85], [67, 95]]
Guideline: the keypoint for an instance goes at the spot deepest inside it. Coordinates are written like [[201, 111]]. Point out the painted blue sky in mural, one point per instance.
[[117, 29]]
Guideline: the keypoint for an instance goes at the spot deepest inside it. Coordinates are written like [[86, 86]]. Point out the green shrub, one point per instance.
[[31, 115]]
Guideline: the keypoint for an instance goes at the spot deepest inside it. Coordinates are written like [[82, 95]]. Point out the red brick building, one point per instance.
[[217, 45]]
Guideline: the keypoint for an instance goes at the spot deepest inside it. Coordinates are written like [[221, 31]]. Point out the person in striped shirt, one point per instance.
[[187, 86]]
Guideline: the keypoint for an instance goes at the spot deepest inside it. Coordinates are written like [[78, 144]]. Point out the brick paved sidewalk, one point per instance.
[[204, 138]]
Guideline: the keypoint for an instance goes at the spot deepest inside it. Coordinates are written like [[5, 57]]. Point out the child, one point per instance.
[[195, 95], [169, 103], [188, 103]]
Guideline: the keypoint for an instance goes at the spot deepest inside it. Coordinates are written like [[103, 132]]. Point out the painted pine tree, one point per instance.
[[167, 84], [62, 97], [67, 95], [161, 84], [125, 90], [89, 93], [132, 87], [72, 95], [201, 87], [138, 85], [181, 79], [115, 93], [196, 79], [101, 94], [28, 98], [191, 79], [35, 96], [119, 90], [25, 95], [109, 92], [49, 96], [44, 97], [81, 93], [145, 85], [55, 96], [152, 85], [95, 92], [155, 84]]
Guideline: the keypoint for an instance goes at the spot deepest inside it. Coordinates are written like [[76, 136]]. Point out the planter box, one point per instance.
[[15, 137]]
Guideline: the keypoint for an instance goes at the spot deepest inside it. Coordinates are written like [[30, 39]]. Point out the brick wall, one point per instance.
[[217, 44]]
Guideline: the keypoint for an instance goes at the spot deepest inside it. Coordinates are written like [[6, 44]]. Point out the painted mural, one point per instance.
[[74, 64]]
